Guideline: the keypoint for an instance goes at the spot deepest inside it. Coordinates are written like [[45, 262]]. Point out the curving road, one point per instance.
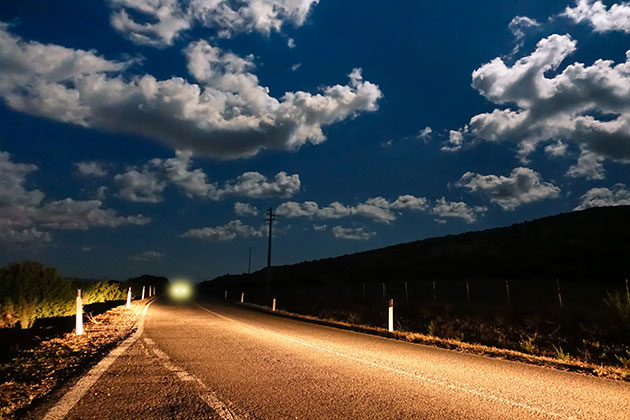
[[220, 361]]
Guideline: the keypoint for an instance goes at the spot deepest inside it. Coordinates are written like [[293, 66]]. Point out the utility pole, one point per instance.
[[270, 218], [249, 264]]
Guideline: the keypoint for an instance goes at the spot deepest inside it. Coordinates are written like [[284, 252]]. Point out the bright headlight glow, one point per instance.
[[180, 290]]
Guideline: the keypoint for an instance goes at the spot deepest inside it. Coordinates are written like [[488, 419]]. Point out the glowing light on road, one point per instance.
[[180, 290]]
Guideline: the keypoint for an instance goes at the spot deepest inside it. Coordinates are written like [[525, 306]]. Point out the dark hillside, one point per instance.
[[589, 245]]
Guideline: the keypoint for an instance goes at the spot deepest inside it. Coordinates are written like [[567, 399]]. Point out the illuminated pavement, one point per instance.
[[223, 361]]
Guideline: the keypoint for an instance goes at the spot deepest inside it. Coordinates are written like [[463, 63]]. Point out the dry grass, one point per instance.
[[562, 361], [34, 373]]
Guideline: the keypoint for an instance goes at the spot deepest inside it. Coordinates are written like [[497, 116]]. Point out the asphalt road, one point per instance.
[[221, 361]]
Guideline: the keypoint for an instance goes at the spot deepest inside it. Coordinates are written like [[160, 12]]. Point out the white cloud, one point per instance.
[[169, 18], [245, 209], [589, 166], [140, 186], [353, 233], [520, 24], [296, 66], [226, 232], [456, 209], [556, 149], [521, 187], [602, 19], [377, 209], [291, 43], [543, 107], [147, 183], [604, 197], [23, 212], [94, 169], [455, 140], [320, 228], [149, 256], [227, 114], [425, 133]]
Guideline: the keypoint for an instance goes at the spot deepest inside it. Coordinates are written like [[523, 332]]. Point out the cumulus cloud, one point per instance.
[[226, 114], [354, 233], [245, 209], [601, 18], [169, 18], [586, 105], [377, 209], [456, 209], [23, 211], [589, 165], [425, 133], [147, 183], [556, 149], [232, 230], [94, 169], [522, 186], [619, 195], [320, 228], [149, 256], [519, 26]]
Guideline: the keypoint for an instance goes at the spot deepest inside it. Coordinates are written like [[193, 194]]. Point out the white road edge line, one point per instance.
[[421, 377], [207, 395], [72, 397]]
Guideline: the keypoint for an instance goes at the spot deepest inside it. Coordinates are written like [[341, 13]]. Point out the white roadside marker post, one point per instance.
[[79, 320], [128, 298], [467, 293], [142, 292], [273, 305], [242, 297], [507, 291], [225, 295], [390, 323], [559, 293]]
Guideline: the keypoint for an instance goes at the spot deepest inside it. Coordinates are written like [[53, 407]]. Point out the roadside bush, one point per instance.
[[103, 291], [29, 291]]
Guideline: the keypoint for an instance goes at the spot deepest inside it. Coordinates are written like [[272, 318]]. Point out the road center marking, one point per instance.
[[421, 377]]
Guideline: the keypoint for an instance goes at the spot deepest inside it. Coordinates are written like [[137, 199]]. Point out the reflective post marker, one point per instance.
[[79, 321], [273, 305], [128, 298], [242, 297], [390, 324], [142, 292], [225, 295]]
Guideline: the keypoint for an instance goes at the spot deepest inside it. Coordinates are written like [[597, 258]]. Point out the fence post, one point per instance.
[[434, 292], [79, 320], [406, 294], [128, 298], [142, 292], [559, 293], [467, 292], [390, 321], [273, 305], [242, 297], [627, 293], [507, 291]]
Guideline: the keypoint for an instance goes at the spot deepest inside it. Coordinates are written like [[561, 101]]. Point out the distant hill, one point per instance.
[[588, 245]]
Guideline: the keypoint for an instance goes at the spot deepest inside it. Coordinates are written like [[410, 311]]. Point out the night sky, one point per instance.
[[150, 136]]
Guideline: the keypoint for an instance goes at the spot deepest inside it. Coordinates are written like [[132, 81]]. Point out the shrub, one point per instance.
[[29, 291], [103, 291], [619, 304]]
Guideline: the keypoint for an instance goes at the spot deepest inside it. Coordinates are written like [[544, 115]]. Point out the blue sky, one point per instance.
[[150, 136]]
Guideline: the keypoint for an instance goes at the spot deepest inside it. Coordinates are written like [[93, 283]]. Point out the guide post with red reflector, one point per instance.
[[79, 320], [390, 324]]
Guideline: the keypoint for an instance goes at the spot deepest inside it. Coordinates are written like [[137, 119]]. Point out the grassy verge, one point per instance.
[[36, 372], [560, 361]]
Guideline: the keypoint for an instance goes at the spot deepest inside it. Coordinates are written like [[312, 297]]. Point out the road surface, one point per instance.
[[221, 361]]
